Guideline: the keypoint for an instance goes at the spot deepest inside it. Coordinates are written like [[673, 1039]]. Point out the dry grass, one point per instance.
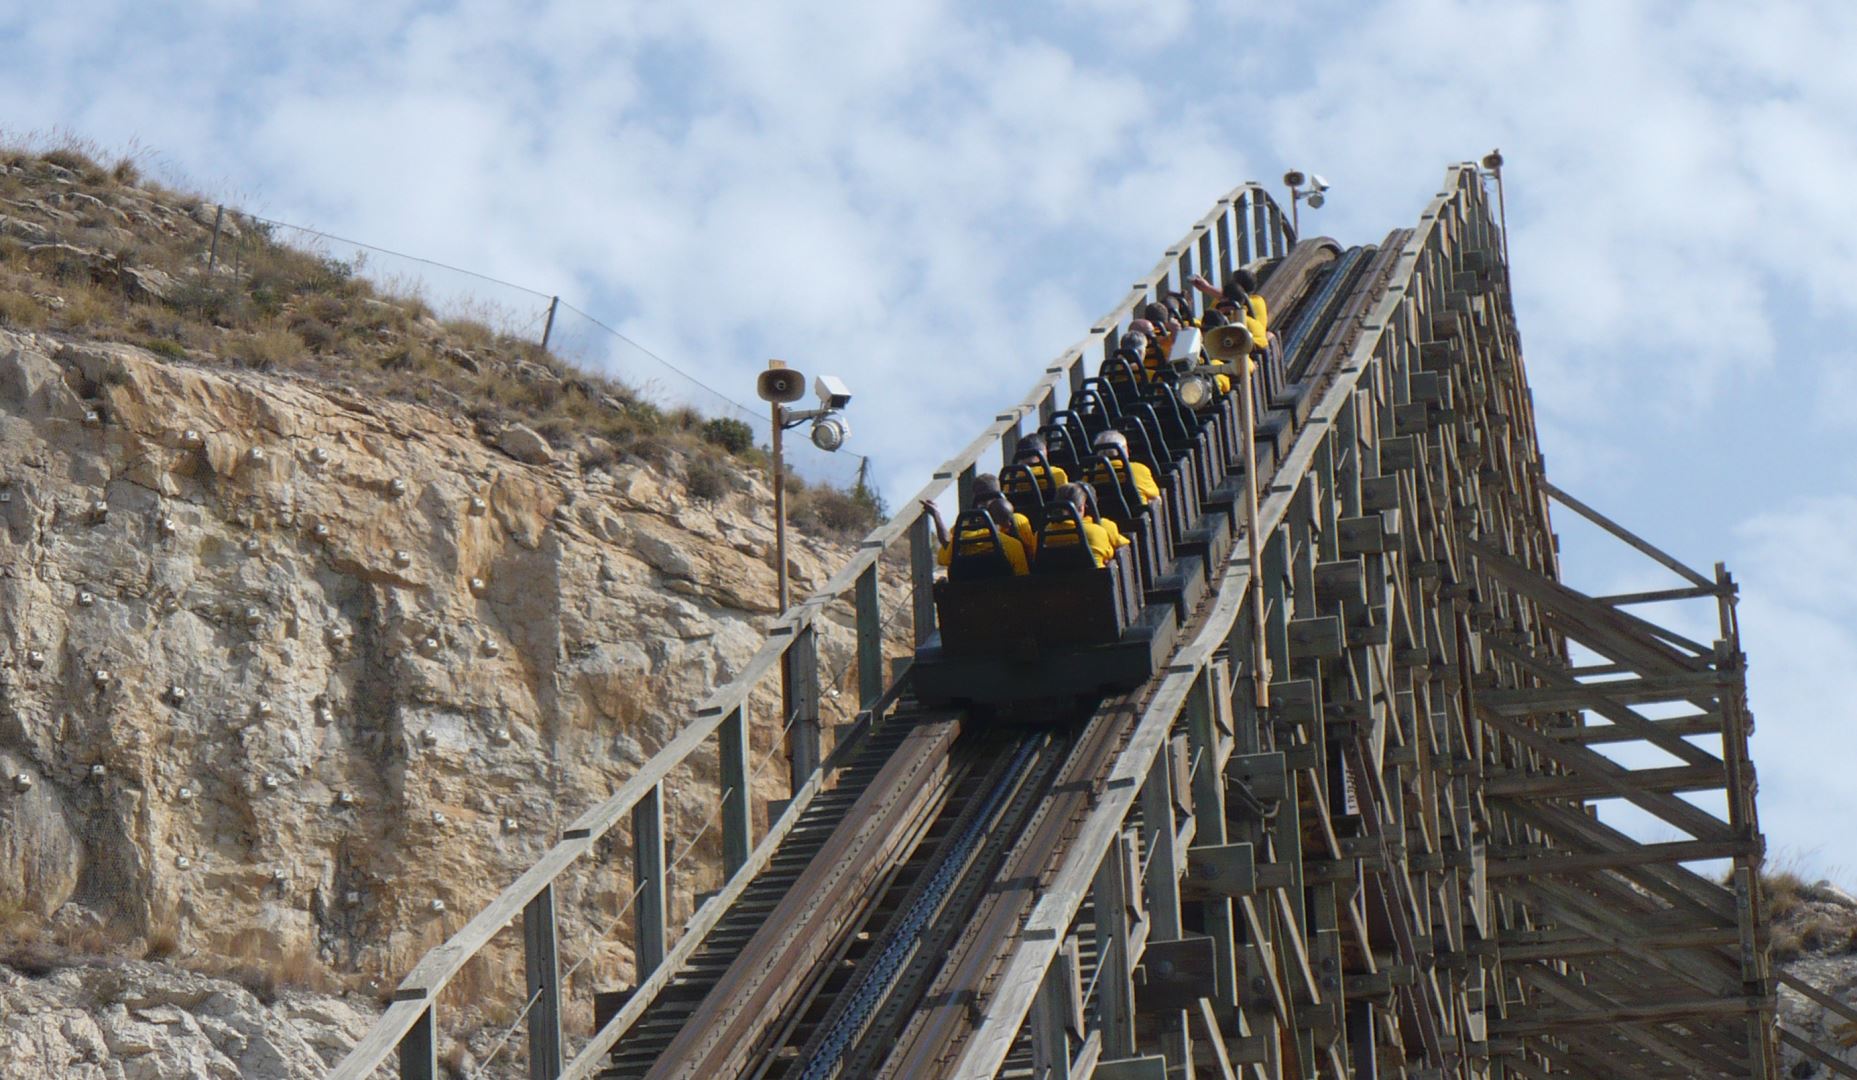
[[271, 306], [1803, 920]]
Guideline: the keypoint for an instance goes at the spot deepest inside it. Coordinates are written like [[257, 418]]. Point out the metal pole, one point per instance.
[[548, 328], [780, 510], [1259, 661], [212, 257], [1295, 218]]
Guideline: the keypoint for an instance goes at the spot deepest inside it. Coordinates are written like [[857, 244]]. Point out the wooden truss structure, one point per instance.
[[1367, 827]]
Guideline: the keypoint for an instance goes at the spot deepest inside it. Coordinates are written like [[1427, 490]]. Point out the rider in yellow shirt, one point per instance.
[[1138, 474]]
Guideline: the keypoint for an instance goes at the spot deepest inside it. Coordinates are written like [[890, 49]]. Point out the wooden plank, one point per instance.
[[1541, 1021], [651, 901], [1623, 533], [1547, 785], [1616, 779], [542, 983], [1574, 862], [1817, 1053]]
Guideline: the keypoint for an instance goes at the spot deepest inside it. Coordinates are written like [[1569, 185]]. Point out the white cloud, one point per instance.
[[935, 198]]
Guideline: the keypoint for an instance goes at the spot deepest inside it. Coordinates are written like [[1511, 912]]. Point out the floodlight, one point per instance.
[[830, 431]]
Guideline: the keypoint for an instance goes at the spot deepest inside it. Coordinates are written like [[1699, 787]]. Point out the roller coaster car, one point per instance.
[[1068, 629]]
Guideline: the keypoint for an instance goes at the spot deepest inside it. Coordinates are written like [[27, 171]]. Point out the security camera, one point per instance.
[[1318, 183], [832, 391], [1184, 356], [1292, 179], [782, 386], [830, 431]]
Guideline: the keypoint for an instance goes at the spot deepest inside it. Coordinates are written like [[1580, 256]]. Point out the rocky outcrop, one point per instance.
[[141, 1021], [295, 676], [1815, 940]]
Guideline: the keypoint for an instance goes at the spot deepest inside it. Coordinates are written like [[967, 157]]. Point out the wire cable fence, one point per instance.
[[521, 312]]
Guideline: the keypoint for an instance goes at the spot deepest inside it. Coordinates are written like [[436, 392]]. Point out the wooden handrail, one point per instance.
[[1250, 214]]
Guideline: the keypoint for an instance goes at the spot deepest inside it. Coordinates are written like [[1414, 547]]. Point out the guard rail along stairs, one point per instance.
[[1375, 853]]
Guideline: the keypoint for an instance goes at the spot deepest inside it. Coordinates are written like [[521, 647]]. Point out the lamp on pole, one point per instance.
[[1311, 189], [781, 386]]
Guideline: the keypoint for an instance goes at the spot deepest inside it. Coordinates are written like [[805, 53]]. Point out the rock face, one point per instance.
[[141, 1021], [1815, 940], [281, 666]]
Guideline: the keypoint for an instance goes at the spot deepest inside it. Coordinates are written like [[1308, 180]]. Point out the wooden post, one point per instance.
[[212, 257], [1206, 738], [541, 958], [1115, 987], [419, 1048], [1057, 1014], [922, 576], [799, 692], [778, 418], [650, 914], [870, 637], [548, 328], [1260, 662], [737, 806]]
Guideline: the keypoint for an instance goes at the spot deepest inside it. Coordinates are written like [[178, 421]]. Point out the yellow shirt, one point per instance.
[[1058, 477], [1114, 531], [1095, 537], [1142, 477], [1261, 312], [1015, 551]]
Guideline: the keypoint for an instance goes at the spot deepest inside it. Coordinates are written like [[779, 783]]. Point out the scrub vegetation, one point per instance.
[[95, 251]]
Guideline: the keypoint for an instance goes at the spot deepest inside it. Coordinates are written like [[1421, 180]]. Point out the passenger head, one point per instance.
[[986, 486], [1244, 279], [1212, 319], [999, 508], [1074, 495], [1030, 446], [1137, 337], [1178, 304], [1158, 314], [1107, 439]]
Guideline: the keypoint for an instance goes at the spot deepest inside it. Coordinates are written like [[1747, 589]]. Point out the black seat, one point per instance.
[[978, 554], [1061, 545], [1061, 449], [1121, 375], [1027, 489]]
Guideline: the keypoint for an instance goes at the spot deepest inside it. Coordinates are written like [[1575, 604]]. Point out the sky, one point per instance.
[[933, 198]]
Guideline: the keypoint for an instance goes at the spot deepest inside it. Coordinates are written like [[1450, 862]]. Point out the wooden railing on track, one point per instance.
[[1244, 226]]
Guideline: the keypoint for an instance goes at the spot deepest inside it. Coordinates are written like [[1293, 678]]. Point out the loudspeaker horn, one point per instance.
[[783, 386], [1229, 343]]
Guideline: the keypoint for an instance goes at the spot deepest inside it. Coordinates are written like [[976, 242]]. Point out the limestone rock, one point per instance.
[[525, 444], [152, 1021], [478, 643]]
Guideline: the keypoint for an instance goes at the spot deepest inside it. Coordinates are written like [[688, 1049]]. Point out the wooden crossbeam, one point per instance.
[[1548, 785], [1570, 993], [1615, 778], [1576, 862], [1608, 631], [1595, 698], [1538, 1021], [1673, 883], [1572, 944], [1572, 695], [1709, 723], [1642, 545]]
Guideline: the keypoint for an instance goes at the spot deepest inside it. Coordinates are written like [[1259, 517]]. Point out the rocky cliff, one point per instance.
[[293, 680]]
